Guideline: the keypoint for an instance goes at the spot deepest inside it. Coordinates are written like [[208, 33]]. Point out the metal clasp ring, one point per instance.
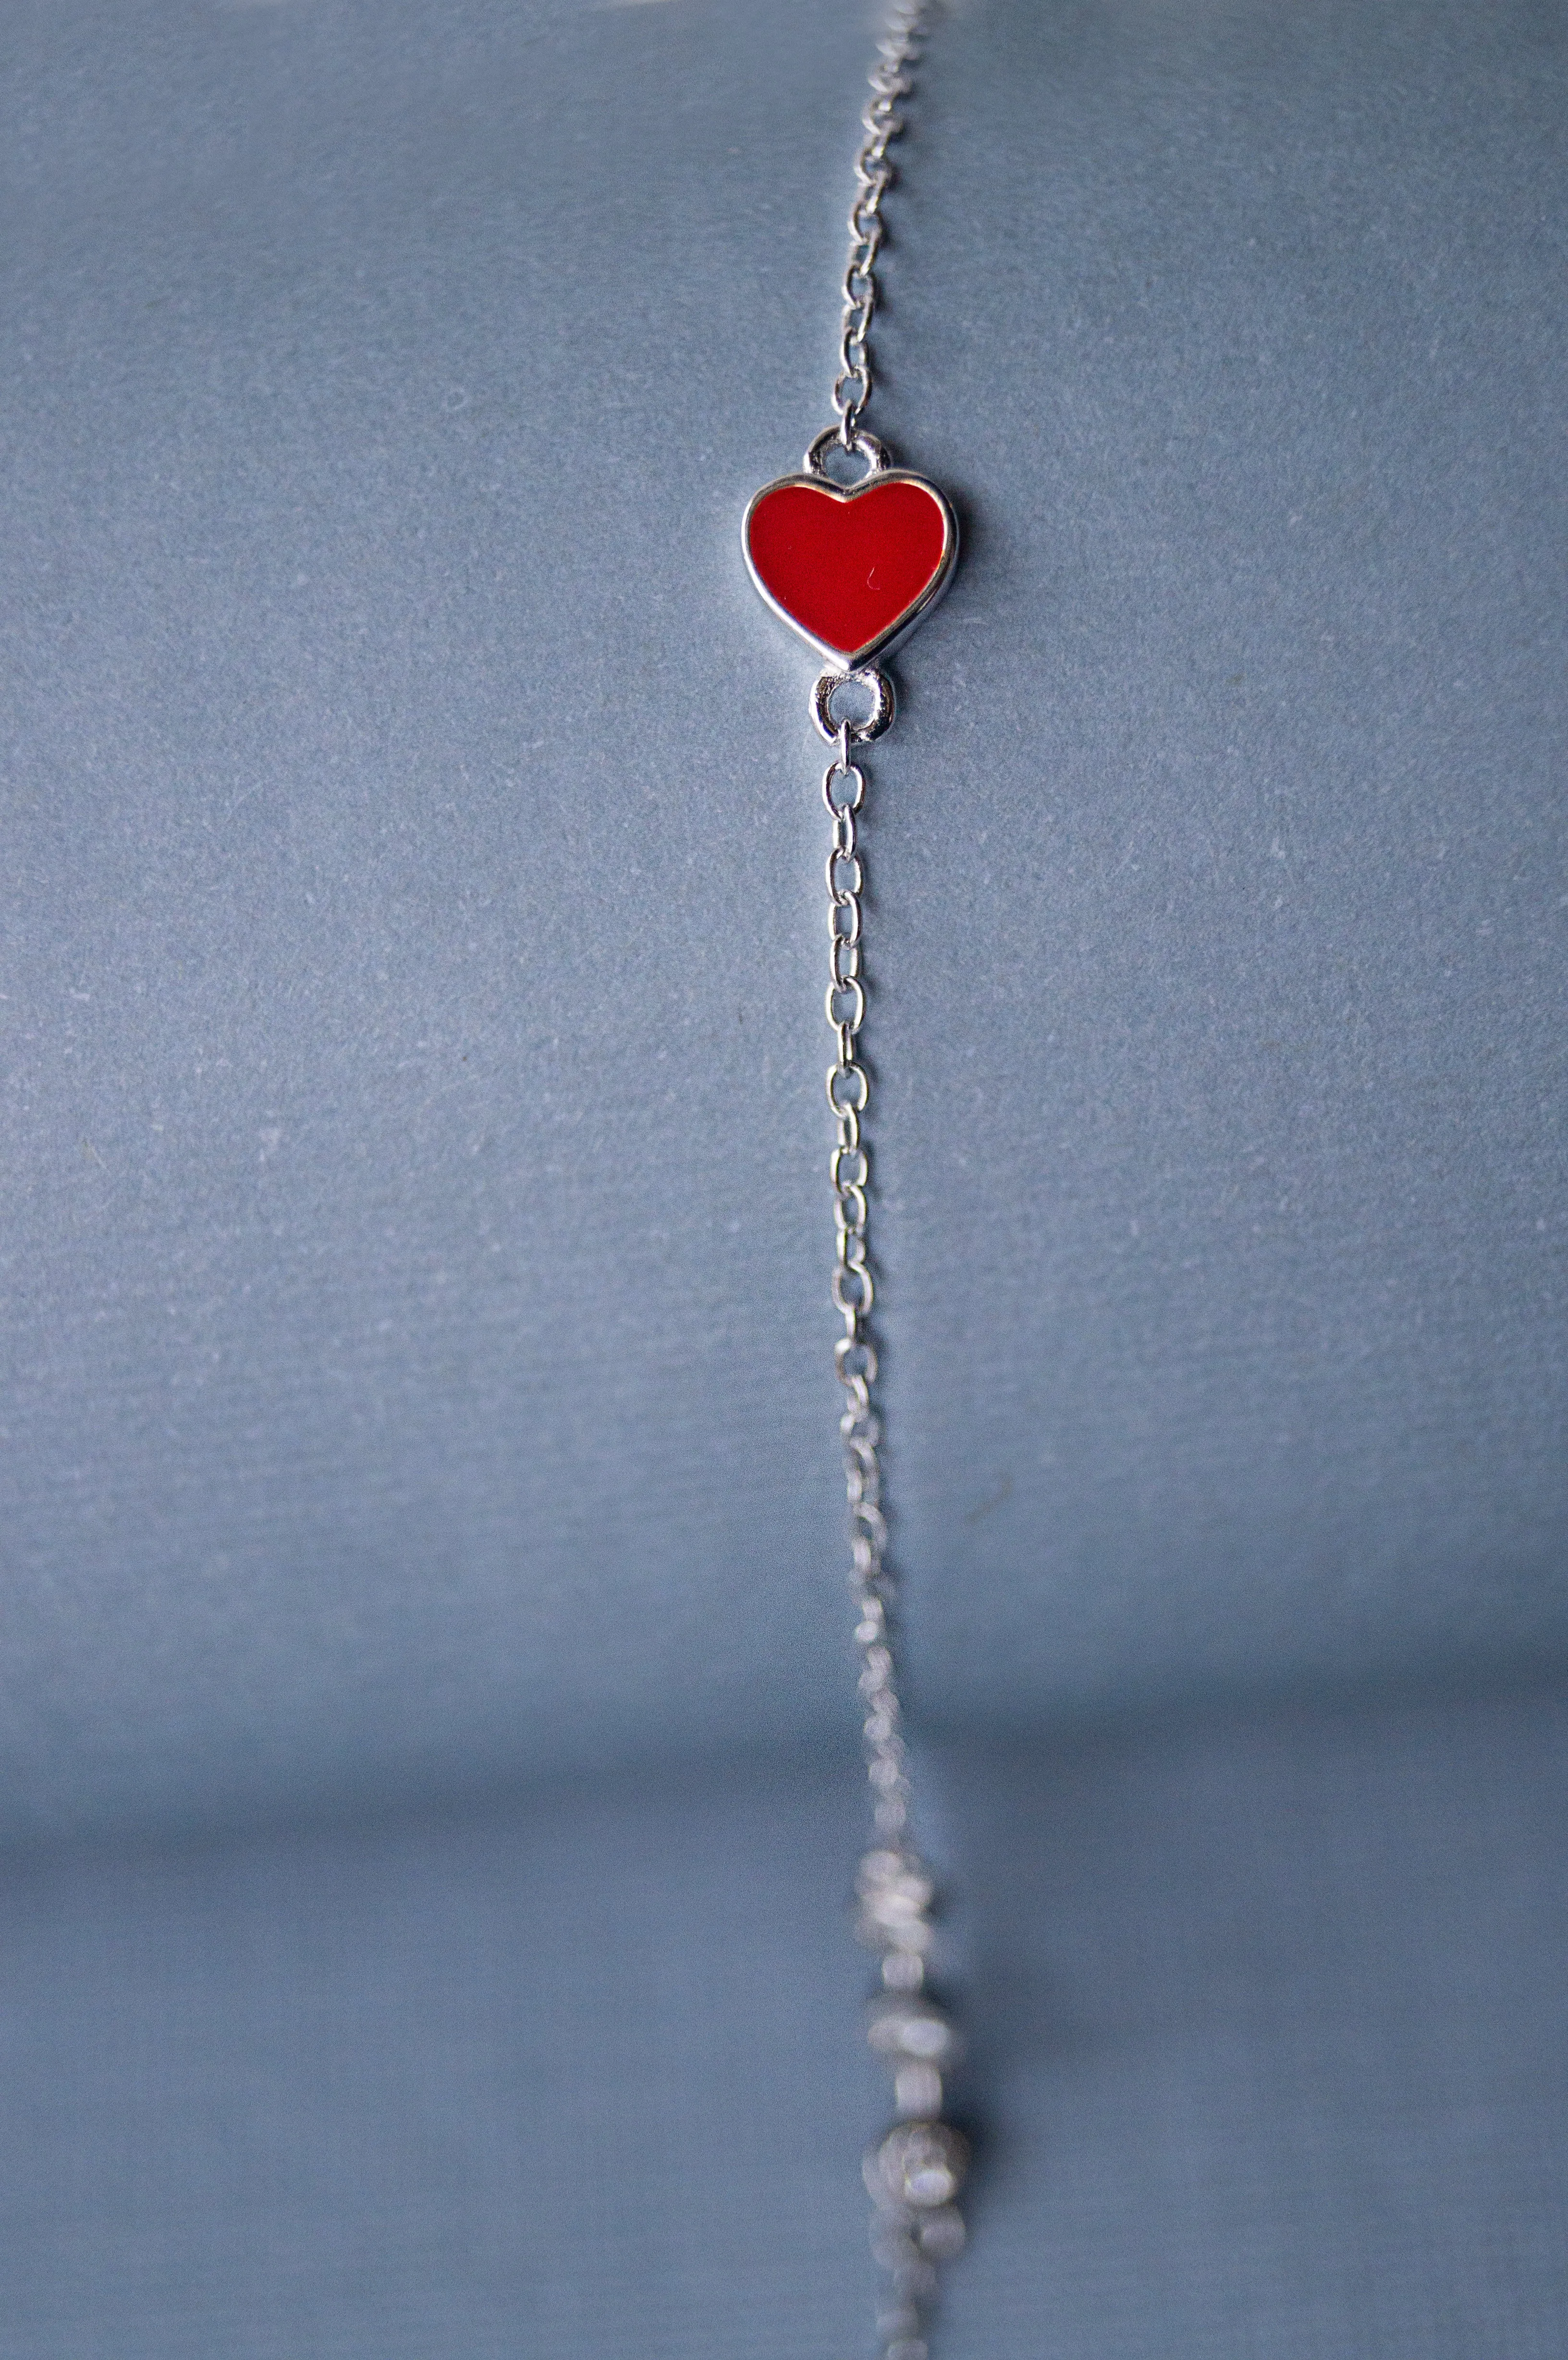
[[858, 443], [855, 733]]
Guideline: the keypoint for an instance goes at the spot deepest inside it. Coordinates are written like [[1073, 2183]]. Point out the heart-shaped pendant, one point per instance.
[[852, 567]]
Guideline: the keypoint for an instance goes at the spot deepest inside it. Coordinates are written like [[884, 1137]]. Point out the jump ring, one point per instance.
[[863, 446], [860, 732]]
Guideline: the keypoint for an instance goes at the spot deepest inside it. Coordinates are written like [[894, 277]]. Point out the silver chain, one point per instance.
[[853, 1292], [915, 2170], [881, 123]]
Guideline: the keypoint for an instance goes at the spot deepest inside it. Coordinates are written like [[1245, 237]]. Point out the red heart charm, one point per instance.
[[851, 568]]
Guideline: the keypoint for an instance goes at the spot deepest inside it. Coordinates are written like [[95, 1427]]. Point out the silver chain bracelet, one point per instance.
[[853, 567]]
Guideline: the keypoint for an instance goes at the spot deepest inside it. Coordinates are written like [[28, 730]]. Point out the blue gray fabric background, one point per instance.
[[1271, 2054], [413, 1391]]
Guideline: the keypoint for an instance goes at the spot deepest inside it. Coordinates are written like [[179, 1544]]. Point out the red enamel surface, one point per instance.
[[845, 566]]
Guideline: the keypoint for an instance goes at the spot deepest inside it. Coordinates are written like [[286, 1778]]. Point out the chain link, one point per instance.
[[890, 82]]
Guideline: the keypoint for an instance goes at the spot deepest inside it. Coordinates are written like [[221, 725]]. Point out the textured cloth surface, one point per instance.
[[415, 1234], [1268, 2040]]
